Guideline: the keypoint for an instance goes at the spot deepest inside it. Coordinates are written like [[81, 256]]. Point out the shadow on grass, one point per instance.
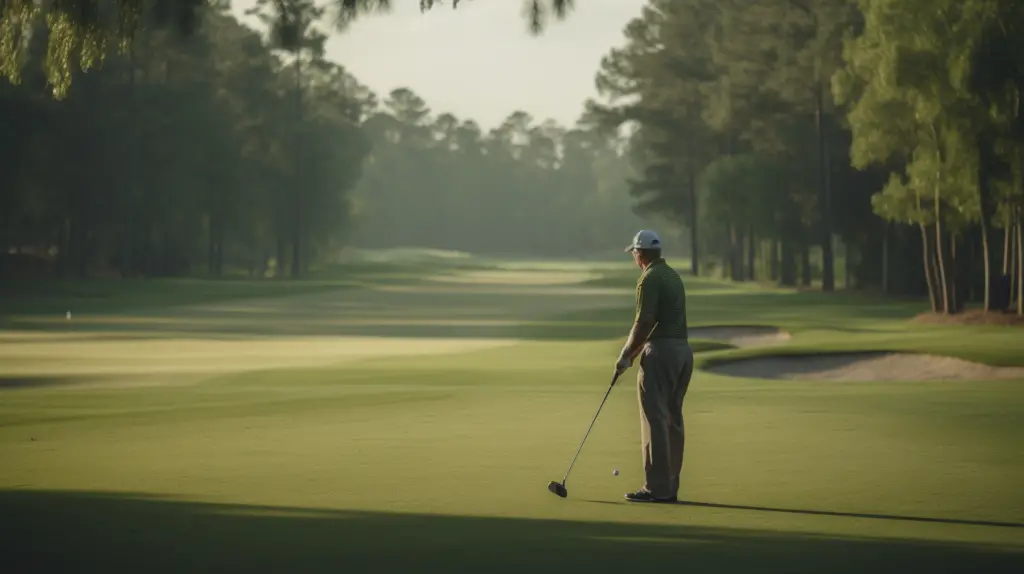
[[34, 382], [48, 296], [859, 515], [896, 517], [82, 532], [40, 297], [257, 329]]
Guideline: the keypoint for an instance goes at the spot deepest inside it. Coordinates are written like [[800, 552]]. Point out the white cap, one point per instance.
[[645, 239]]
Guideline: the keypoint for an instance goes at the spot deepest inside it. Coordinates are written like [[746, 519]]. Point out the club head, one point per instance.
[[558, 488]]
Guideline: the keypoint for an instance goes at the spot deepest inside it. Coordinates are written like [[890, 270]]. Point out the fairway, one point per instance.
[[412, 425]]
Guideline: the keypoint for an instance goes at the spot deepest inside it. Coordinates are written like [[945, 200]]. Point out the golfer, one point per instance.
[[659, 338]]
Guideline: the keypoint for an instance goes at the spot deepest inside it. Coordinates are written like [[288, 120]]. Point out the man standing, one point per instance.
[[659, 337]]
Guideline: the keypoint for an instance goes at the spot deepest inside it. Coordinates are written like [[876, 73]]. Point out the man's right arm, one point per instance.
[[644, 322]]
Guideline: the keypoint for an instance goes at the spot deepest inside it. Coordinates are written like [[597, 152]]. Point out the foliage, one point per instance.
[[700, 81], [180, 152], [523, 187], [81, 33], [934, 86]]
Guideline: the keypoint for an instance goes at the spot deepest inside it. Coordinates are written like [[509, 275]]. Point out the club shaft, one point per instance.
[[582, 442]]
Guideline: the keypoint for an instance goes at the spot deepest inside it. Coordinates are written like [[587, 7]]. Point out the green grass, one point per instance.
[[439, 462], [44, 296], [31, 297]]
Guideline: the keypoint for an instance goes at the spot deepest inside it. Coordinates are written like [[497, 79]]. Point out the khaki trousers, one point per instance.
[[666, 366]]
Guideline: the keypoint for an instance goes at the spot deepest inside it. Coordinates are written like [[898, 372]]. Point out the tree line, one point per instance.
[[774, 130], [229, 149], [210, 148], [524, 187]]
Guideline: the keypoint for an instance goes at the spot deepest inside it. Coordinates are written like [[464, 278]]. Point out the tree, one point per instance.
[[806, 36], [81, 32], [998, 78], [197, 147], [292, 29], [656, 83], [924, 95]]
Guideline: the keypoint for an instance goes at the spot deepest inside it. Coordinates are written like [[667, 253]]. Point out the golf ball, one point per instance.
[[615, 472]]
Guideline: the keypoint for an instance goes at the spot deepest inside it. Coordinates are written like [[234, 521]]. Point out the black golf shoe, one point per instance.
[[644, 495]]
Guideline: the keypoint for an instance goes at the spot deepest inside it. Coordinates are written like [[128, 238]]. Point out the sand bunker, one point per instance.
[[741, 336], [865, 367]]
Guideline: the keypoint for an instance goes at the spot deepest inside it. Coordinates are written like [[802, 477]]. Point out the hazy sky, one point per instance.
[[479, 61]]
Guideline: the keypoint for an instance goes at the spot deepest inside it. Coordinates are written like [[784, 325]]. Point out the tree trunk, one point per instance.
[[847, 266], [694, 249], [1016, 257], [1020, 265], [828, 281], [297, 257], [263, 264], [944, 292], [773, 260], [805, 265], [78, 255], [762, 260], [955, 295], [787, 265], [987, 264], [929, 274], [736, 255], [64, 263], [78, 261], [211, 248], [885, 261], [297, 231], [733, 243], [940, 270], [751, 255], [218, 239], [1007, 252], [984, 150], [1010, 262], [215, 244], [282, 253]]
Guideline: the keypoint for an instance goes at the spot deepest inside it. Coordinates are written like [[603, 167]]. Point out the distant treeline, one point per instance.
[[523, 188]]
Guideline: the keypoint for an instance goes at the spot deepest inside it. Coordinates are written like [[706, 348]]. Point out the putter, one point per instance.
[[559, 487]]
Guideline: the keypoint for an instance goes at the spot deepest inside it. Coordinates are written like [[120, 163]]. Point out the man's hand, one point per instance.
[[634, 346], [621, 365], [624, 362]]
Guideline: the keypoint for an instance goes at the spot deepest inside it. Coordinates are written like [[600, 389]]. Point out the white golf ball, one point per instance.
[[615, 472]]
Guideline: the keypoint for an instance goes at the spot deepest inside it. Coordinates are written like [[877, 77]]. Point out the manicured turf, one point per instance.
[[399, 456], [42, 297]]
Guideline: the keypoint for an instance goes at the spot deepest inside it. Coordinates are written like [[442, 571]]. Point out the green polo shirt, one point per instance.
[[661, 298]]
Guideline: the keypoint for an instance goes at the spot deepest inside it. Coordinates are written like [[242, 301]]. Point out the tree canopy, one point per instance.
[[81, 33]]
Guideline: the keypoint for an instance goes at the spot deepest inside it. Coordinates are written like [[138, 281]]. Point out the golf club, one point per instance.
[[559, 487]]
